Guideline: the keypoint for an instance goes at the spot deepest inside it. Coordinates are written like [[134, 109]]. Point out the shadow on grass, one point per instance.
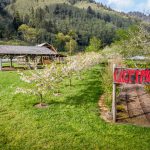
[[82, 92], [89, 89]]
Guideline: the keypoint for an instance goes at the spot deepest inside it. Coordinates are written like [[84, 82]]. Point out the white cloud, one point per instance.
[[120, 3]]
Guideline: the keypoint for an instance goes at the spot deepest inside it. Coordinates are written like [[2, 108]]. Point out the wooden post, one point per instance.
[[1, 64], [114, 97], [11, 63], [59, 59]]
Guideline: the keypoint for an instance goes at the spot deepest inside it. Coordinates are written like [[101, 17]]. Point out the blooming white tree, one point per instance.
[[41, 82], [47, 80], [78, 63]]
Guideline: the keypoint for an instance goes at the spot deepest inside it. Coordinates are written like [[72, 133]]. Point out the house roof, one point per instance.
[[25, 50], [42, 44], [48, 46]]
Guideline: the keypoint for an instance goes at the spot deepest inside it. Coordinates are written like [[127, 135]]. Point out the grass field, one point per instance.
[[71, 122]]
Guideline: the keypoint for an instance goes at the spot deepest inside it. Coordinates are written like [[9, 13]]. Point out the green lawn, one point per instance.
[[71, 122]]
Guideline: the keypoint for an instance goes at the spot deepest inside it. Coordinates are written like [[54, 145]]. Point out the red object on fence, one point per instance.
[[132, 76]]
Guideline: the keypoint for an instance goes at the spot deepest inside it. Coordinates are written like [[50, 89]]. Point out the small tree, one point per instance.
[[95, 44], [80, 62], [67, 41], [41, 82], [60, 40], [29, 34], [71, 45]]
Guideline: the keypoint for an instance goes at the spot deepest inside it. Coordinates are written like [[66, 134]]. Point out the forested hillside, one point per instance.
[[6, 20], [140, 15], [36, 21]]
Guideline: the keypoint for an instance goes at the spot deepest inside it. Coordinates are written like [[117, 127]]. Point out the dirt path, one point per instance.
[[136, 103]]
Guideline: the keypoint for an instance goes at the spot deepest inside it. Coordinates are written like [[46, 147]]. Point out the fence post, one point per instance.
[[114, 97]]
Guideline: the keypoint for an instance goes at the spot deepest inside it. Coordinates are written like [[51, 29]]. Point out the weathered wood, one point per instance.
[[114, 97]]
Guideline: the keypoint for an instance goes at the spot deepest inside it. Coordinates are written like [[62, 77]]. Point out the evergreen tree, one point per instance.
[[17, 21]]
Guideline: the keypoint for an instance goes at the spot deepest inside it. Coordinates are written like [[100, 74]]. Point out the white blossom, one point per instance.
[[44, 80]]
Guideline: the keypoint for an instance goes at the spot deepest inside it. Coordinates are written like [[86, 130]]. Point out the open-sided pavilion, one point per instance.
[[44, 51]]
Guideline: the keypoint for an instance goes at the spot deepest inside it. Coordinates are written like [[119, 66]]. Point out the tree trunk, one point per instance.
[[41, 99]]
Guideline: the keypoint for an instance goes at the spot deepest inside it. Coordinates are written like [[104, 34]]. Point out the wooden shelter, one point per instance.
[[44, 53]]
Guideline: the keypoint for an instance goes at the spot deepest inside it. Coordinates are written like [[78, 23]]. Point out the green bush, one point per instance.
[[136, 64], [107, 85]]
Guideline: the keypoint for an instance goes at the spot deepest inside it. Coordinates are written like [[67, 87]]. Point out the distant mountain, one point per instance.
[[140, 15], [85, 17]]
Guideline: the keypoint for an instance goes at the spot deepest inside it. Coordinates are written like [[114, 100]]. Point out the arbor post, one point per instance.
[[11, 62], [1, 64]]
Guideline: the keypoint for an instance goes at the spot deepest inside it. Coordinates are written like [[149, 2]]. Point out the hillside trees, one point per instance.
[[75, 1], [67, 42], [135, 41], [71, 45], [61, 18], [91, 11], [95, 44], [86, 28], [16, 20], [6, 26], [86, 24], [60, 41], [4, 3], [28, 34]]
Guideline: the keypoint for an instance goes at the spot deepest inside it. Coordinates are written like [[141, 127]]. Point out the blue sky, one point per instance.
[[128, 5]]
